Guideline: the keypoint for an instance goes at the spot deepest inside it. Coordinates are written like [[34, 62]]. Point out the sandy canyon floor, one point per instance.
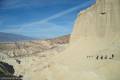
[[31, 59]]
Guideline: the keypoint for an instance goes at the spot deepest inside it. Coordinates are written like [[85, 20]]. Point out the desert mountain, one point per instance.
[[9, 37], [26, 48]]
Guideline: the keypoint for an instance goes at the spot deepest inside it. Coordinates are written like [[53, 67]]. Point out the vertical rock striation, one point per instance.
[[94, 52], [101, 21]]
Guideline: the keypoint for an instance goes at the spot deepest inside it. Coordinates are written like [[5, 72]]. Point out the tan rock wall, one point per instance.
[[94, 52]]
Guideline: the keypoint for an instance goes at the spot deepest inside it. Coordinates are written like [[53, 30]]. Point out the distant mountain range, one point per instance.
[[9, 37]]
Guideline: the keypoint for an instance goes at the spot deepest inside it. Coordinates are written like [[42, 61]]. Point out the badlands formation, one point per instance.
[[93, 52], [30, 58]]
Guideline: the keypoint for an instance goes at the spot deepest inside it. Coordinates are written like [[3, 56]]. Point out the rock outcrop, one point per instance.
[[28, 48], [94, 48]]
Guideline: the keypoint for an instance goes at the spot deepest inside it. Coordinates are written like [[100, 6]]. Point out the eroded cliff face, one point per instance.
[[93, 53], [95, 45], [101, 21]]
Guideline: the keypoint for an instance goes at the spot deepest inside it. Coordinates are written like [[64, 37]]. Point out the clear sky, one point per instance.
[[40, 18]]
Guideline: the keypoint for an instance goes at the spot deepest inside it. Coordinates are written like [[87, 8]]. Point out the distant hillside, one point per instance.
[[61, 40], [25, 48], [9, 37]]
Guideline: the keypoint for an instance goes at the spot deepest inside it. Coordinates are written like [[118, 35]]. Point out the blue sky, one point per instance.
[[40, 18]]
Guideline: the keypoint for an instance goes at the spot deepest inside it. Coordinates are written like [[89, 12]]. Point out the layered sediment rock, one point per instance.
[[95, 45]]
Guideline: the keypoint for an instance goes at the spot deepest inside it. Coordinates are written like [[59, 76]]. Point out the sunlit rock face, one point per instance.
[[94, 51], [101, 21]]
